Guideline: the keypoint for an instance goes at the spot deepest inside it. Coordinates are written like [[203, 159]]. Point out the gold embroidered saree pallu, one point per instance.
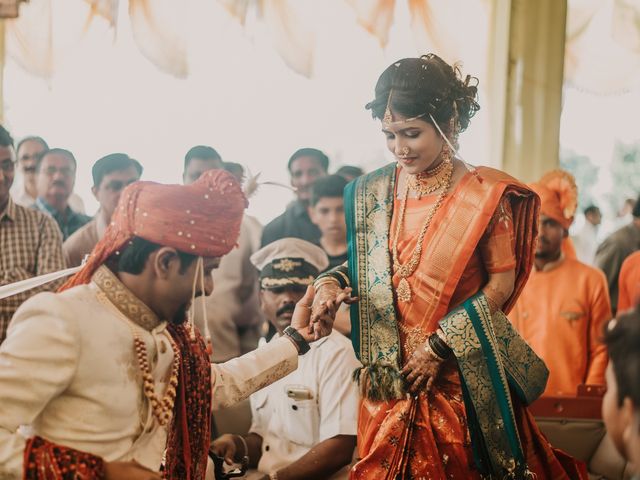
[[493, 360]]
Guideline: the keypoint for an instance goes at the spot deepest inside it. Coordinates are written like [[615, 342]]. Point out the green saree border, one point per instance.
[[470, 332], [368, 207]]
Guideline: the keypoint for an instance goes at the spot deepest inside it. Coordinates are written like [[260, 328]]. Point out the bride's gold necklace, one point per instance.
[[427, 182], [445, 173]]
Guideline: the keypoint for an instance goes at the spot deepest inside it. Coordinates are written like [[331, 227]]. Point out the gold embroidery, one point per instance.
[[415, 338], [124, 300], [572, 316], [279, 282], [286, 265]]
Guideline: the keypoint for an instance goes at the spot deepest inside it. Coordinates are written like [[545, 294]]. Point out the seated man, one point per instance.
[[304, 425], [110, 175], [564, 306], [621, 403]]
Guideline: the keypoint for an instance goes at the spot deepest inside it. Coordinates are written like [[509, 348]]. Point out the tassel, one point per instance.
[[252, 184]]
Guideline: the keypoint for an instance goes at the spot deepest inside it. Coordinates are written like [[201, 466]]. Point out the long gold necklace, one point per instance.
[[404, 271]]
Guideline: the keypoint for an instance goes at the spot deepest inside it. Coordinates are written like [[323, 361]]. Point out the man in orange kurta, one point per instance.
[[629, 283], [565, 304]]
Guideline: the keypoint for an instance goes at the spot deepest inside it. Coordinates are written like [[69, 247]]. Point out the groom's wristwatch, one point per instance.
[[303, 345]]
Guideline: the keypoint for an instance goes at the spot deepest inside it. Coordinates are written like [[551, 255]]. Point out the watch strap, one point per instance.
[[303, 345]]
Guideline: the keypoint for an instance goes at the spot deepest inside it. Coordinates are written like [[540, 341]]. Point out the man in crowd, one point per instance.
[[564, 306], [111, 174], [349, 172], [198, 160], [29, 151], [31, 242], [56, 170], [621, 402], [109, 375], [616, 247], [629, 283], [586, 241], [305, 167], [234, 169], [304, 425], [233, 309]]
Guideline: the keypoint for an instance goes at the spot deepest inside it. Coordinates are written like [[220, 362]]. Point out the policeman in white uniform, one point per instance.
[[304, 425]]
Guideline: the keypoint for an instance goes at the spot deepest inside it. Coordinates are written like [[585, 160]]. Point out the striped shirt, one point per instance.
[[30, 245]]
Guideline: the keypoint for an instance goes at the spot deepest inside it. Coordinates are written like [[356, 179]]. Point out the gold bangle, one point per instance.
[[324, 281]]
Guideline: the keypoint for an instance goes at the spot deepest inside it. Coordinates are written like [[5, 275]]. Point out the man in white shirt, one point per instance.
[[304, 425], [586, 240]]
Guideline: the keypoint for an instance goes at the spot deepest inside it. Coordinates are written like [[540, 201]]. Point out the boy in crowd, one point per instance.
[[326, 211]]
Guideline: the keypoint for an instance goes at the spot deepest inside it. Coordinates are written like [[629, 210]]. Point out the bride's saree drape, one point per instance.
[[400, 431]]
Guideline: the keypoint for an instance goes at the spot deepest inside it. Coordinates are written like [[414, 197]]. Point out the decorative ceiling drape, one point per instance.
[[602, 47], [602, 52]]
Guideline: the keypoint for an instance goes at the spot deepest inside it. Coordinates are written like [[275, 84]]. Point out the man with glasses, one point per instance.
[[25, 189], [31, 241], [110, 175], [56, 175]]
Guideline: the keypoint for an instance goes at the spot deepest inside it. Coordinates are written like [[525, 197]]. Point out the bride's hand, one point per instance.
[[422, 369], [328, 298]]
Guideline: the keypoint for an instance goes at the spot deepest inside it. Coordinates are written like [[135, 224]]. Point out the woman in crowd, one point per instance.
[[438, 250]]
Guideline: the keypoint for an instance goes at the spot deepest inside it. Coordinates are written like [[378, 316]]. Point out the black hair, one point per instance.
[[310, 152], [329, 186], [35, 138], [427, 85], [233, 168], [591, 209], [134, 256], [203, 152], [636, 208], [112, 163], [6, 140], [349, 171], [623, 344], [57, 151]]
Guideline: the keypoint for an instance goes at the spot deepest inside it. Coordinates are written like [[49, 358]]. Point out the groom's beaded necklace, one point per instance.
[[162, 407]]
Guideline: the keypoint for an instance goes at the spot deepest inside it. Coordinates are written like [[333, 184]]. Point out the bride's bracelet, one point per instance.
[[338, 274], [439, 347], [325, 281]]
